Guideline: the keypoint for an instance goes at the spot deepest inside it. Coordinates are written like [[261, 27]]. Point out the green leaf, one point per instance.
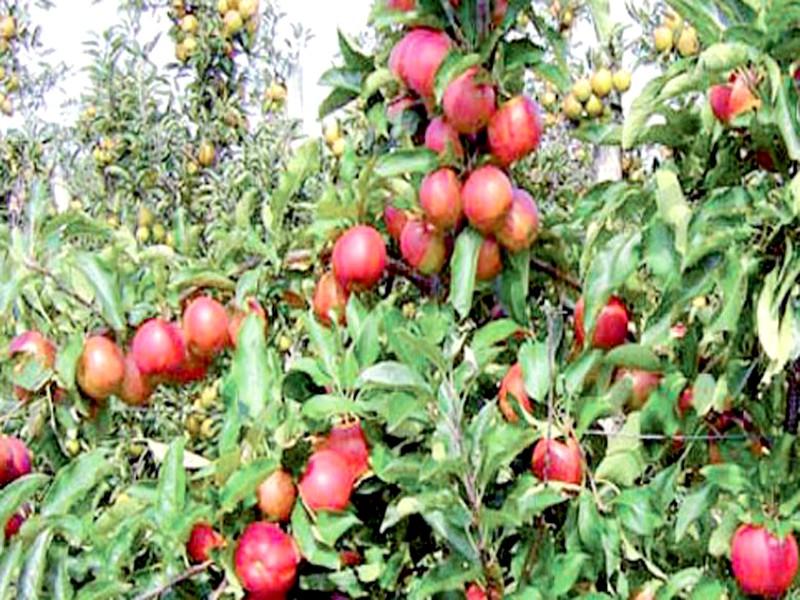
[[536, 369], [352, 55], [464, 267], [73, 482], [105, 285], [331, 526], [623, 463], [634, 356], [406, 162], [566, 569], [171, 491], [250, 368], [324, 406], [514, 285], [729, 477], [33, 570], [702, 16], [243, 483], [338, 98], [392, 374], [16, 493], [454, 64], [693, 507], [304, 536], [672, 207], [10, 562], [303, 164]]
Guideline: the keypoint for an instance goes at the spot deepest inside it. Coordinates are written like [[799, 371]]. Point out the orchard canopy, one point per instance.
[[521, 319]]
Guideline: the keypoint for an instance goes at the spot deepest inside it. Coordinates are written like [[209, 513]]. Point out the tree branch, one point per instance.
[[556, 273], [187, 574]]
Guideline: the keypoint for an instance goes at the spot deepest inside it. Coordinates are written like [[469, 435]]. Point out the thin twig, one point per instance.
[[662, 437], [217, 593], [556, 273], [187, 574], [37, 268], [429, 286]]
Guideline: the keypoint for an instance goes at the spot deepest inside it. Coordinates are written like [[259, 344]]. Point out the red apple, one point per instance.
[[266, 559], [327, 482], [763, 564], [101, 368], [205, 326], [416, 58], [469, 101], [276, 496], [329, 297], [14, 523], [490, 263], [499, 11], [238, 315], [515, 130], [15, 459], [350, 443], [719, 96], [136, 389], [557, 461], [202, 540], [402, 5], [487, 197], [423, 247], [521, 224], [513, 388], [743, 98], [440, 198], [611, 325], [476, 592], [359, 257], [442, 138], [685, 401], [193, 368], [642, 385], [158, 347], [395, 219], [36, 346]]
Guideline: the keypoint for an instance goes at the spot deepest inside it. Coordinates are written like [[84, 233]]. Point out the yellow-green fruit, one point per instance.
[[184, 49], [159, 233], [662, 38], [673, 20], [170, 241], [145, 216], [8, 27], [566, 18], [207, 428], [2, 73], [332, 132], [549, 99], [193, 425], [523, 20], [76, 205], [582, 89], [276, 92], [594, 106], [338, 147], [12, 84], [206, 154], [284, 343], [572, 108], [112, 221], [222, 6], [208, 396], [191, 167], [143, 235], [602, 83], [622, 80], [688, 44], [90, 112], [7, 107], [72, 446], [232, 23], [247, 8], [189, 24]]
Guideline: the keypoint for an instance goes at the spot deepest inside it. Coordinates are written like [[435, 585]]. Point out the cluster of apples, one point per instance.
[[470, 126], [587, 94], [161, 352], [266, 558], [235, 15], [15, 461], [736, 97], [675, 33], [8, 32]]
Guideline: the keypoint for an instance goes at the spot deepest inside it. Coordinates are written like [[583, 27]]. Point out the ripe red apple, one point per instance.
[[416, 58], [490, 263], [763, 564], [557, 461], [192, 368], [515, 130], [15, 459], [521, 224], [611, 325], [719, 96], [440, 198], [685, 401], [205, 326], [36, 346], [327, 482], [499, 12], [276, 496], [14, 523], [642, 384], [329, 296], [441, 137], [469, 101], [136, 388], [476, 592], [238, 315], [513, 388], [743, 98], [101, 368], [402, 5], [487, 196], [266, 559], [158, 347], [202, 540], [359, 257], [395, 219], [349, 442], [423, 247]]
